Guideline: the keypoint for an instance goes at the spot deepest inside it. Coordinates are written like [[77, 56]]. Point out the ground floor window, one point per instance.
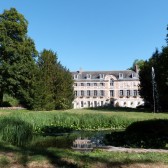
[[95, 103], [81, 103], [88, 103]]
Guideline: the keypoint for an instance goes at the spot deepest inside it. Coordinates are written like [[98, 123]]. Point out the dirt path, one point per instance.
[[129, 150]]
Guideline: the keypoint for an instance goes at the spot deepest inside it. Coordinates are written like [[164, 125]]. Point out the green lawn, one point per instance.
[[34, 156]]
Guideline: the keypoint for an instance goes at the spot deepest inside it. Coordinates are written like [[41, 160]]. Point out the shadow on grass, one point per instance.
[[25, 153], [55, 157], [102, 161]]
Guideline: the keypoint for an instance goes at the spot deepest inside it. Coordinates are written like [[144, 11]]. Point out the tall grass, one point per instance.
[[87, 121], [15, 131], [80, 119]]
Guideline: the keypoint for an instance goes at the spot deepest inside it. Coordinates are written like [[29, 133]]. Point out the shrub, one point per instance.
[[143, 134]]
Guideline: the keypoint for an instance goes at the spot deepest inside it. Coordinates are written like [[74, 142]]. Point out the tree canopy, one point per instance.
[[41, 83], [159, 62], [55, 83], [17, 52], [138, 63]]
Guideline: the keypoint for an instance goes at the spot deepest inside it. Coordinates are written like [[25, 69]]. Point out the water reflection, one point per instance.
[[66, 140]]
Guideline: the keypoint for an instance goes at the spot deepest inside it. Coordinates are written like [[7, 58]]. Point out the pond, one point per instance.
[[65, 140]]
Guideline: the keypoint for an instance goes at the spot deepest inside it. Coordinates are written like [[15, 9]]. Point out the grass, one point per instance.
[[48, 157], [33, 156], [80, 119], [4, 161]]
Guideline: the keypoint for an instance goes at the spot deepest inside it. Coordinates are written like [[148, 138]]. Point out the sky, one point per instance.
[[95, 35]]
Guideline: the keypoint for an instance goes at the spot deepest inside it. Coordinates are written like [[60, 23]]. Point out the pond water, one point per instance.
[[65, 140]]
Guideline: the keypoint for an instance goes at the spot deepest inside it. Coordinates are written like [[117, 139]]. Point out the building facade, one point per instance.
[[101, 88]]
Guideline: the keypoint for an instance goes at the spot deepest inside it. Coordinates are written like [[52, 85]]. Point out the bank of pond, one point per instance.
[[42, 129]]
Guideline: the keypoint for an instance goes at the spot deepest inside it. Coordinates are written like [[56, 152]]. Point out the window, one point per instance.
[[111, 82], [121, 93], [133, 75], [95, 103], [82, 84], [75, 84], [101, 92], [88, 92], [111, 93], [101, 84], [75, 76], [135, 93], [120, 75], [88, 103], [95, 84], [76, 93], [95, 92], [101, 76], [81, 103], [101, 103], [128, 93], [88, 84], [88, 76], [82, 93]]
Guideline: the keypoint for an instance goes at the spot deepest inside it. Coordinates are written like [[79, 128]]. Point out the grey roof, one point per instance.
[[127, 74]]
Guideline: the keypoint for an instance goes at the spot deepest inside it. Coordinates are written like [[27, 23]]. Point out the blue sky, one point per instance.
[[95, 34]]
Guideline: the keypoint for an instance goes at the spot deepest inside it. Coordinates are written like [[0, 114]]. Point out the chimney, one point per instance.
[[137, 69]]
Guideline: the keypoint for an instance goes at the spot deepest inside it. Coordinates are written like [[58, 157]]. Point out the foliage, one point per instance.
[[54, 85], [138, 63], [141, 134], [15, 131], [11, 100], [41, 85], [159, 62], [63, 93], [17, 53]]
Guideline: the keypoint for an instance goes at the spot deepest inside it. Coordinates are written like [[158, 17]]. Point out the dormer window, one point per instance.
[[76, 76], [120, 75], [133, 75], [101, 76], [88, 76]]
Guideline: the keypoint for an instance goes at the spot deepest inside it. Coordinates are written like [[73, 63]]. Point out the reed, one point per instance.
[[87, 121], [15, 131]]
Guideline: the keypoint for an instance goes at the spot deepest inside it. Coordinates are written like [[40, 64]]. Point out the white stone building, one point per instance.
[[100, 88]]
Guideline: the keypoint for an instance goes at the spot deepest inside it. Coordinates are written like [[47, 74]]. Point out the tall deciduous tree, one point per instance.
[[17, 53]]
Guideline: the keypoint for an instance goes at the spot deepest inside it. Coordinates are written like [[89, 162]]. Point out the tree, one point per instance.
[[63, 94], [159, 62], [47, 74], [138, 63], [55, 84], [17, 53]]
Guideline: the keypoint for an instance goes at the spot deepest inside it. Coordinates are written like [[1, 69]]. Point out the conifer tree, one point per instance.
[[55, 84]]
